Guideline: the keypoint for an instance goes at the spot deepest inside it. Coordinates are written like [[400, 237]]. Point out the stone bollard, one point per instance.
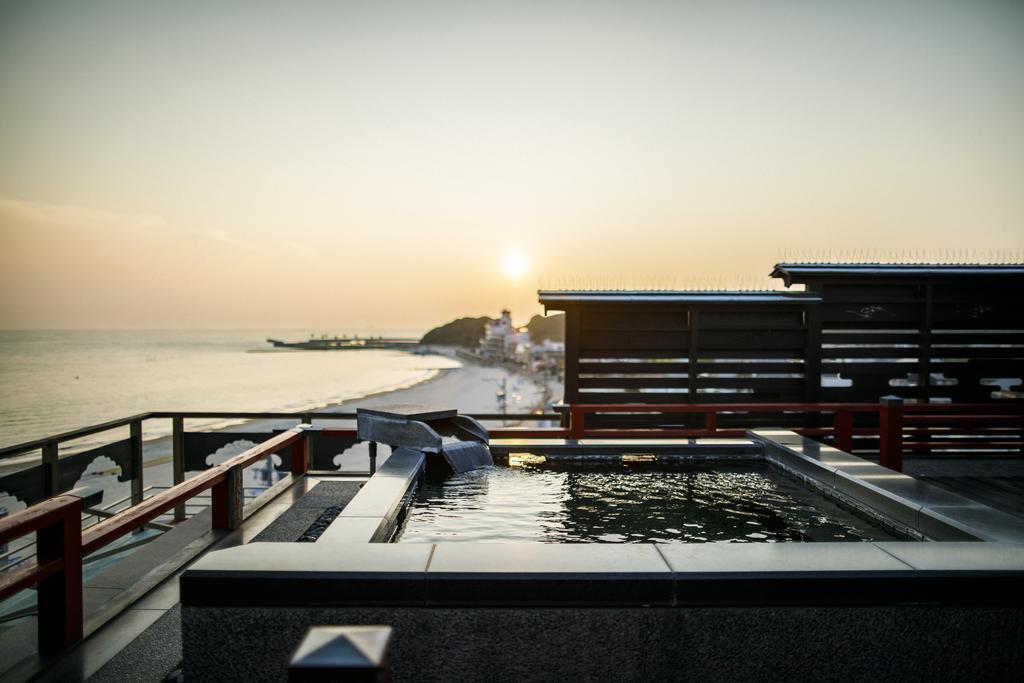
[[342, 653]]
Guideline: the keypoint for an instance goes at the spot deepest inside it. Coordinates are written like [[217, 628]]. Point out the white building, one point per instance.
[[499, 339]]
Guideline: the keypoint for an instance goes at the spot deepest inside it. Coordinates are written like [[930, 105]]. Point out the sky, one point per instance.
[[348, 166]]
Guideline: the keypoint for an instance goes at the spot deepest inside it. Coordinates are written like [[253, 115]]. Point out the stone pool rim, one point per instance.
[[902, 503], [979, 559]]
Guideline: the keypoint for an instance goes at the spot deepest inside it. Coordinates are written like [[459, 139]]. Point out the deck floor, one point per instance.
[[996, 482]]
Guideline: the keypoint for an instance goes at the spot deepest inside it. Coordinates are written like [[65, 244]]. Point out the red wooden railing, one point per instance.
[[57, 569], [916, 427], [61, 543]]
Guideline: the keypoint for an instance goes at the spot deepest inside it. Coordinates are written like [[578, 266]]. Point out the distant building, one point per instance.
[[499, 339], [504, 342]]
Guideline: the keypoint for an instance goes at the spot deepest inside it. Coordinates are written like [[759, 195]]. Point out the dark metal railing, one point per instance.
[[306, 417], [49, 480]]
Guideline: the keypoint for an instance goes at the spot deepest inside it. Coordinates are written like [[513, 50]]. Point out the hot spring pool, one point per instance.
[[751, 502]]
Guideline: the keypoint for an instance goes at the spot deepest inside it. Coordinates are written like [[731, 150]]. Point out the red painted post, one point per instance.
[[890, 433], [60, 594], [219, 504], [576, 429], [300, 455], [711, 421], [843, 426], [227, 500]]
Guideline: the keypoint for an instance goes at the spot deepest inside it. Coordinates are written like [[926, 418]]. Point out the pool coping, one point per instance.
[[348, 565], [933, 512]]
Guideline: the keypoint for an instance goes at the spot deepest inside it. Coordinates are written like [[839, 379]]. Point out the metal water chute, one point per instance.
[[452, 442]]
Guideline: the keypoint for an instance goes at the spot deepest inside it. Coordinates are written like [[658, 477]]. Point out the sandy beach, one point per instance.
[[471, 388]]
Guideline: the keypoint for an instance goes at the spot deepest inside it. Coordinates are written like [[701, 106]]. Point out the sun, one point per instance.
[[514, 264]]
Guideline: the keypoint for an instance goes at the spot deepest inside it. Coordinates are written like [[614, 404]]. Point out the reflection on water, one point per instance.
[[628, 503]]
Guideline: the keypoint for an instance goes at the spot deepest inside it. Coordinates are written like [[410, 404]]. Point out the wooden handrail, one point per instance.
[[110, 529], [724, 407], [61, 544], [25, 577], [33, 518], [1008, 408], [57, 571], [895, 418], [529, 433]]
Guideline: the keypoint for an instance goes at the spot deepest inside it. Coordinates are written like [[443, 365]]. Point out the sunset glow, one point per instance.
[[514, 264], [215, 172]]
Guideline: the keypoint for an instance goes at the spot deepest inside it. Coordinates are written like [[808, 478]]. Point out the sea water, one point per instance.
[[53, 381]]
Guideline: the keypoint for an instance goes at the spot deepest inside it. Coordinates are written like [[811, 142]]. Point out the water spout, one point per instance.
[[463, 456]]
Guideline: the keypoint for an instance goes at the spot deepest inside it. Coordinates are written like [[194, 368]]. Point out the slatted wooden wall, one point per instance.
[[921, 341], [690, 352], [848, 339]]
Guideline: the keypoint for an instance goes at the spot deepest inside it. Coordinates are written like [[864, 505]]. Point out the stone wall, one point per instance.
[[629, 644]]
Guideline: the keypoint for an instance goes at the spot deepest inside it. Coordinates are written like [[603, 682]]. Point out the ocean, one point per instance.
[[53, 381]]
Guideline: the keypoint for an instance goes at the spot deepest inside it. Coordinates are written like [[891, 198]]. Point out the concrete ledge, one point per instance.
[[548, 574], [975, 520], [358, 530], [516, 574], [381, 498], [315, 574], [680, 449], [932, 511], [404, 463]]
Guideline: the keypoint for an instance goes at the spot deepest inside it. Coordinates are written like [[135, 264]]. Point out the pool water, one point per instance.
[[628, 503]]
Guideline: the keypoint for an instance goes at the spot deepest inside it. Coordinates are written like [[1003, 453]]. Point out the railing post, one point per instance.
[[843, 427], [890, 433], [227, 500], [711, 421], [300, 455], [178, 450], [373, 456], [135, 441], [310, 446], [51, 469], [576, 425], [60, 594]]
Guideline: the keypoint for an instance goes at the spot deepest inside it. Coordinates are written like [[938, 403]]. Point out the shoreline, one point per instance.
[[156, 447], [333, 406], [156, 436], [471, 388]]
